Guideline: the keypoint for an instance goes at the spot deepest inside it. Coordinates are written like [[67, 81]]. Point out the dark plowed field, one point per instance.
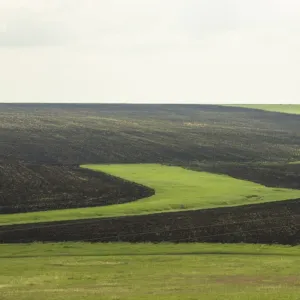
[[270, 223], [271, 175], [78, 134], [28, 188], [42, 145]]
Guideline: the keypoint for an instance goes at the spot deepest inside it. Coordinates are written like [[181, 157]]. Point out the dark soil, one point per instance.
[[107, 133], [268, 223], [271, 175], [28, 188], [41, 147]]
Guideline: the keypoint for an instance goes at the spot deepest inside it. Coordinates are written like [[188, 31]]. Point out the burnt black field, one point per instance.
[[42, 146]]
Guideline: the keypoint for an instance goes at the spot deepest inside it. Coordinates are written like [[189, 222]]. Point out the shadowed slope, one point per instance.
[[29, 188]]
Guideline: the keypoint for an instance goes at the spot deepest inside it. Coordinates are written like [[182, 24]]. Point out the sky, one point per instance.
[[150, 51]]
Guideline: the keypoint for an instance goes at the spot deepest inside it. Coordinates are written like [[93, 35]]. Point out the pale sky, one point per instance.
[[150, 51]]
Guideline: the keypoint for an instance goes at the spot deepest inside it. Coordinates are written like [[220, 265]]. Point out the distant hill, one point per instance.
[[283, 108], [106, 133]]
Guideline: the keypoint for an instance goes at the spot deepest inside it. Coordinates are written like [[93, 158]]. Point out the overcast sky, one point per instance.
[[166, 51]]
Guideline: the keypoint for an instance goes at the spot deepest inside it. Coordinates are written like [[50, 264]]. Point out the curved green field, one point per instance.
[[176, 189]]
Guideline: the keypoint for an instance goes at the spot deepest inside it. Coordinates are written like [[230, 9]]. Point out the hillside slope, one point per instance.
[[79, 134]]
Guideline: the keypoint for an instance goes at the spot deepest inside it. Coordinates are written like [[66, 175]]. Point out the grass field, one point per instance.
[[295, 163], [165, 271], [175, 189], [284, 108]]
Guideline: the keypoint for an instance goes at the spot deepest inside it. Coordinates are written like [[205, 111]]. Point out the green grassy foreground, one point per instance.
[[145, 271], [176, 189], [283, 108]]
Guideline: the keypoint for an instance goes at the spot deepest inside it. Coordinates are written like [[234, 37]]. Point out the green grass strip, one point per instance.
[[115, 249]]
